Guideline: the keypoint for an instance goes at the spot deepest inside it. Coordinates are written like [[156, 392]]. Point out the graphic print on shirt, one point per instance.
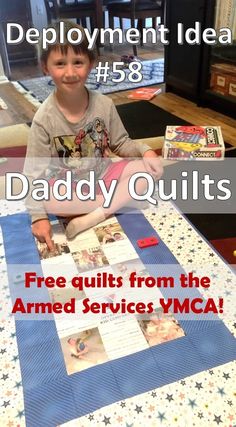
[[82, 151]]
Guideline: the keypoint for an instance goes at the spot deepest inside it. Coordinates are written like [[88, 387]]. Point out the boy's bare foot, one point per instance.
[[82, 223]]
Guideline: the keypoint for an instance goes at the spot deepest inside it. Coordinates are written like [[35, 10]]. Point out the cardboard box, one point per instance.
[[193, 142], [223, 79]]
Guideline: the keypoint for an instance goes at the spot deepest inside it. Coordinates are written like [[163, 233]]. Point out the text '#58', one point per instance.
[[132, 72]]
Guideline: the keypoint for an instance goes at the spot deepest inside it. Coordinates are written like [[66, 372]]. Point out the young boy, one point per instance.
[[75, 123]]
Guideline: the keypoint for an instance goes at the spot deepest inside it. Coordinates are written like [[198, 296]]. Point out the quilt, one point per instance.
[[120, 370]]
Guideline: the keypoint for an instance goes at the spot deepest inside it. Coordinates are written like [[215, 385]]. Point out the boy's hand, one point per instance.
[[42, 231], [153, 164]]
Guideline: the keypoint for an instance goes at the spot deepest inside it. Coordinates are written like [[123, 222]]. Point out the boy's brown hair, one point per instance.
[[81, 48]]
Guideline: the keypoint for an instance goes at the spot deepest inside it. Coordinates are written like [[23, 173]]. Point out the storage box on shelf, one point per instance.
[[223, 79]]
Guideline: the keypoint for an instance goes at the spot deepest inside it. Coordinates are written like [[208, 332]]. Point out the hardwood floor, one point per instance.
[[170, 102]]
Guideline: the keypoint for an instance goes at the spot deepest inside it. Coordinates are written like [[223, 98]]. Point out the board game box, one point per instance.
[[193, 142]]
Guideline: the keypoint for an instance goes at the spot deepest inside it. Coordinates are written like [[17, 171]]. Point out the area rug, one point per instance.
[[145, 120], [152, 72]]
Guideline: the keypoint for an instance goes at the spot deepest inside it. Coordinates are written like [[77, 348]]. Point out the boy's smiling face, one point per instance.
[[69, 71]]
